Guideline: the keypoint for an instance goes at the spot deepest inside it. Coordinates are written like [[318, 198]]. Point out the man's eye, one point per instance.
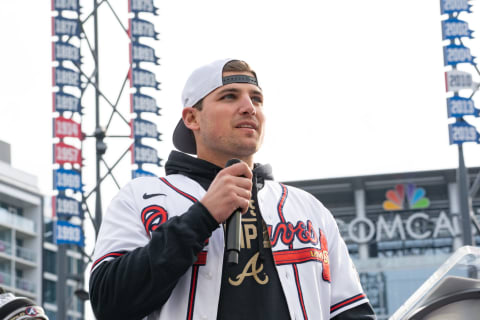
[[228, 97], [257, 99]]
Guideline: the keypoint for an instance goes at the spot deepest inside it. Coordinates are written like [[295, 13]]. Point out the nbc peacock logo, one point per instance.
[[415, 198]]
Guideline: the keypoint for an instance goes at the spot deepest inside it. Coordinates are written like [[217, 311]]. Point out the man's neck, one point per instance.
[[221, 159]]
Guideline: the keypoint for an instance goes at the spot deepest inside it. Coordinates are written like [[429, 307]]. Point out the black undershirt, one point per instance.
[[251, 289]]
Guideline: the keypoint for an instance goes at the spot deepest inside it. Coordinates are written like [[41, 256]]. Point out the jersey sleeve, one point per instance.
[[133, 275], [121, 230], [346, 290]]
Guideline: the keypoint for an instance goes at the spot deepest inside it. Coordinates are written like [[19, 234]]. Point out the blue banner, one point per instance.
[[142, 28], [66, 77], [142, 173], [64, 179], [144, 154], [66, 102], [66, 27], [459, 106], [144, 78], [64, 206], [454, 28], [67, 233], [454, 6], [59, 5], [143, 103], [65, 51], [142, 53], [461, 132], [142, 6], [144, 129], [454, 54]]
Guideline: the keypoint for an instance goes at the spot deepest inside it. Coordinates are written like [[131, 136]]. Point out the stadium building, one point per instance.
[[399, 228]]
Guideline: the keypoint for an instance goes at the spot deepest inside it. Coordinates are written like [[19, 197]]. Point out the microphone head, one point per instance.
[[232, 162]]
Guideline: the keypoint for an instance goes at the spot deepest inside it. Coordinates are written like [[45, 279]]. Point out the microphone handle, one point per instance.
[[234, 229], [234, 225]]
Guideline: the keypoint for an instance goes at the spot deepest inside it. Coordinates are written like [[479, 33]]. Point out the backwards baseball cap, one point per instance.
[[201, 82], [19, 308]]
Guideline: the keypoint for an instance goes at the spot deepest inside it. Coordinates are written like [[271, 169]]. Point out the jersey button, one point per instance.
[[203, 317], [209, 275]]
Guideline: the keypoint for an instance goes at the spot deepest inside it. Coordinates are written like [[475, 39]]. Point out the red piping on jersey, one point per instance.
[[201, 258], [108, 255], [347, 302], [280, 206], [186, 195], [193, 289]]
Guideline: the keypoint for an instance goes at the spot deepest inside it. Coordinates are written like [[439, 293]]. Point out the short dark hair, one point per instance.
[[231, 66]]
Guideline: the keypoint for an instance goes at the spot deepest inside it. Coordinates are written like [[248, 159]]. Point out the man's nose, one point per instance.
[[246, 105]]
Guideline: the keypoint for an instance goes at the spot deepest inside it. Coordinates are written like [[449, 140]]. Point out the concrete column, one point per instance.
[[455, 213], [360, 209]]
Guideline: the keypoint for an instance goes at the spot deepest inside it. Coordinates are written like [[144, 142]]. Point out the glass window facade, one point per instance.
[[50, 291], [50, 261]]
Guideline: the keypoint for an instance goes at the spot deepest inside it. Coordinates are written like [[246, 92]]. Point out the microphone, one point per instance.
[[234, 229]]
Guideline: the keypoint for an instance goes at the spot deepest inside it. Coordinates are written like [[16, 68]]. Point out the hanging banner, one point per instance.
[[65, 77], [143, 78], [67, 233], [461, 132], [459, 106], [454, 6], [453, 28], [59, 5], [456, 80], [66, 102], [142, 28], [142, 173], [144, 129], [142, 154], [64, 206], [64, 179], [66, 27], [62, 51], [64, 153], [143, 103], [454, 54], [142, 53], [142, 6], [63, 127]]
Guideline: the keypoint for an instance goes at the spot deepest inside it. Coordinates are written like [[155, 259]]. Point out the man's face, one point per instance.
[[231, 123]]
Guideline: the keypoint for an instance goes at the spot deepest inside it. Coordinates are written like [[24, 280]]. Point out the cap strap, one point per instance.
[[239, 78]]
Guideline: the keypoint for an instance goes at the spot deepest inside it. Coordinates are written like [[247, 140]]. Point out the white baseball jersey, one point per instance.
[[316, 273]]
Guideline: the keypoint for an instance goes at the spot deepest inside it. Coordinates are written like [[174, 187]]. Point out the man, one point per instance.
[[160, 250]]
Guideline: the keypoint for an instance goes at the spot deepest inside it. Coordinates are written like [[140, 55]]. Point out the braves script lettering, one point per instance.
[[287, 233]]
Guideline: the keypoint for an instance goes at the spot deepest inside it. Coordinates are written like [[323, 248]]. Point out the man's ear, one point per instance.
[[189, 116]]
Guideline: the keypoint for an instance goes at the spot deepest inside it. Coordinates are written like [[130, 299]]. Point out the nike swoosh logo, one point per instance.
[[148, 196]]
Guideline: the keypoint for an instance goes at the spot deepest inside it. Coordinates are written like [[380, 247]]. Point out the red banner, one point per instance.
[[66, 128], [64, 153]]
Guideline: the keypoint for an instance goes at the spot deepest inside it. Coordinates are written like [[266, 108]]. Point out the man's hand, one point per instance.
[[231, 189]]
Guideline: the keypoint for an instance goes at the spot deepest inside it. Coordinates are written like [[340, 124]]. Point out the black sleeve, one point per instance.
[[140, 282], [361, 312]]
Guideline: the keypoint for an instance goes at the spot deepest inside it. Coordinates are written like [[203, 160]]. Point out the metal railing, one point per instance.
[[5, 247], [18, 222], [26, 254], [5, 278], [25, 285]]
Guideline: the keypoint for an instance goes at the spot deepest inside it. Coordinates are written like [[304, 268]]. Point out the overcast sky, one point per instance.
[[351, 87]]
